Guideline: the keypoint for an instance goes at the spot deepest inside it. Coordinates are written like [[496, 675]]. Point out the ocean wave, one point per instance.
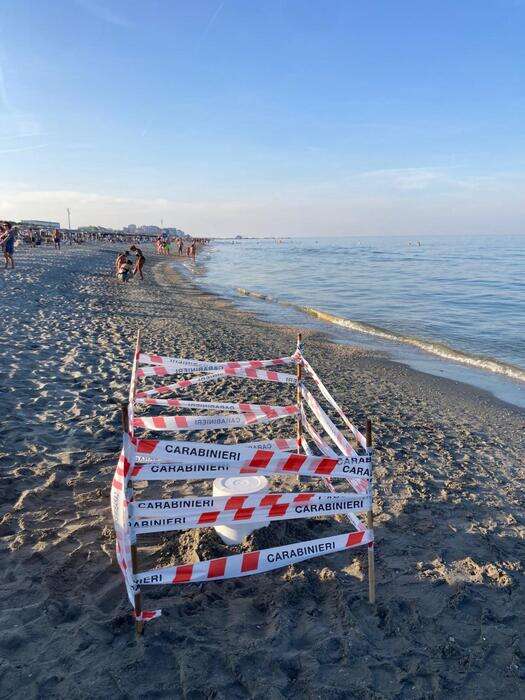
[[430, 346]]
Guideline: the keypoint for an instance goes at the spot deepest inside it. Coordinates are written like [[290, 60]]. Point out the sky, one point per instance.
[[265, 117]]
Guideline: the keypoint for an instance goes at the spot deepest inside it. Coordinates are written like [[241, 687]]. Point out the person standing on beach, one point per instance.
[[56, 238], [139, 262], [7, 241]]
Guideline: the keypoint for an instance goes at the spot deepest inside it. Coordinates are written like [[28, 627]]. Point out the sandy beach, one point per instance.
[[449, 514]]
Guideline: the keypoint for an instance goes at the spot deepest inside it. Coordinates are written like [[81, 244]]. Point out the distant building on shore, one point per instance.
[[35, 223], [134, 230], [95, 229], [175, 232], [142, 230]]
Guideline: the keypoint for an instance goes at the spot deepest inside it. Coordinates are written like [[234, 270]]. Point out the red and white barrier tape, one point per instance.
[[191, 505], [359, 436], [353, 519], [358, 484], [181, 423], [318, 505], [321, 444], [147, 615], [120, 513], [218, 405], [300, 464], [205, 366], [172, 460], [169, 459], [120, 508], [256, 562], [335, 434], [167, 370], [280, 444], [183, 384], [133, 381], [265, 375]]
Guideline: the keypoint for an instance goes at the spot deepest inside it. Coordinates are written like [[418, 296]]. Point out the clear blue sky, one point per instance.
[[265, 117]]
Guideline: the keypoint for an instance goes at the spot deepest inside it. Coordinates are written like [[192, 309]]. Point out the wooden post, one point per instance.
[[139, 625], [133, 382], [299, 400], [299, 397], [370, 525]]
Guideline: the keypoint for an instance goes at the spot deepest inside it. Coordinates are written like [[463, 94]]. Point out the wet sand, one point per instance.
[[449, 514]]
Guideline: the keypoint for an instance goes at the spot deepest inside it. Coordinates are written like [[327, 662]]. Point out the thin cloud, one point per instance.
[[213, 18], [147, 127], [3, 91], [211, 21], [210, 24], [47, 196], [408, 178], [15, 123], [23, 135], [104, 13], [23, 148], [445, 179]]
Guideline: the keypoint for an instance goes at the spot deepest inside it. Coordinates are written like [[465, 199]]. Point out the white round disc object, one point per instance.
[[237, 486]]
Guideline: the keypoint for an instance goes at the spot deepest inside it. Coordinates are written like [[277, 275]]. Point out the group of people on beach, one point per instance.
[[12, 235], [163, 246], [125, 269], [36, 237]]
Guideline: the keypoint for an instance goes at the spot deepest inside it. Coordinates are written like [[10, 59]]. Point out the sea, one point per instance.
[[449, 306]]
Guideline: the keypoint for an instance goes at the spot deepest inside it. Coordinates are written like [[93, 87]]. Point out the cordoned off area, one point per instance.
[[175, 459]]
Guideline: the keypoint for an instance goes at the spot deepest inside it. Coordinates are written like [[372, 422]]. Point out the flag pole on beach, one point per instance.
[[370, 525]]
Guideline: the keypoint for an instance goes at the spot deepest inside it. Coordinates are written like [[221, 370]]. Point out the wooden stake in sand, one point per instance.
[[139, 625], [370, 525], [133, 383], [299, 398]]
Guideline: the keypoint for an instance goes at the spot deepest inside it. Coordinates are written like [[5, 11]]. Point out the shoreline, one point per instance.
[[323, 334], [448, 512], [441, 358]]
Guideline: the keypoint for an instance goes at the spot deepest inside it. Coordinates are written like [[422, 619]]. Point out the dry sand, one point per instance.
[[449, 621]]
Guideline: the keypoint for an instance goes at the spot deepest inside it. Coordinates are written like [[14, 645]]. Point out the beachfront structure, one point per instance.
[[134, 230], [36, 223]]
